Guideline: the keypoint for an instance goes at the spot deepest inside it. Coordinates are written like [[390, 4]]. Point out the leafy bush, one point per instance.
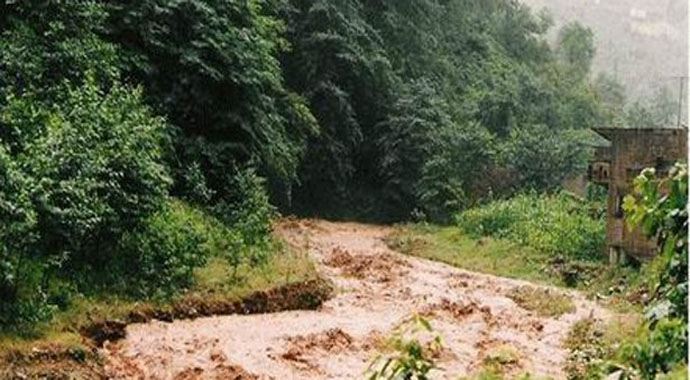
[[660, 350], [429, 161], [414, 345], [213, 68], [159, 259], [555, 224], [248, 213], [459, 156], [540, 157], [660, 207], [78, 174], [44, 43], [98, 169], [20, 275]]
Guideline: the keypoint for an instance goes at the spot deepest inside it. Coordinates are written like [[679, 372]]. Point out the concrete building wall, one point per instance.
[[630, 152]]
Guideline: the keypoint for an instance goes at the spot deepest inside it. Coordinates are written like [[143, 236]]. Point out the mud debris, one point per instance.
[[332, 340], [378, 289], [380, 268]]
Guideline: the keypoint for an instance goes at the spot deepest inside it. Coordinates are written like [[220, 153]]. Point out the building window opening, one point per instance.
[[618, 210]]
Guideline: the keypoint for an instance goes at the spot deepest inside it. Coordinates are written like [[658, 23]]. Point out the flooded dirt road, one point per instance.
[[377, 291]]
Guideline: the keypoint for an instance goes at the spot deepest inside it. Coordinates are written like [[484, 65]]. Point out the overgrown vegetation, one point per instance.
[[555, 239], [176, 286], [656, 347], [487, 255], [558, 225], [143, 143], [110, 108], [425, 106]]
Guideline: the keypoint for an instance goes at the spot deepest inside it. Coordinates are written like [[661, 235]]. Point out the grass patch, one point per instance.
[[623, 289], [593, 345], [486, 255], [500, 358], [545, 302]]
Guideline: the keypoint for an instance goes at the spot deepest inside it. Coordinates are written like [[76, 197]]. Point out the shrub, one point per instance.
[[555, 224], [159, 259], [660, 350], [459, 157], [249, 213], [660, 207], [97, 168], [43, 43], [76, 175], [213, 68], [542, 157], [21, 297], [428, 161]]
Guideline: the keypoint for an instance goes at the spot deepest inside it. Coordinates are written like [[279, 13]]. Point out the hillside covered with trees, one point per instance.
[[143, 142]]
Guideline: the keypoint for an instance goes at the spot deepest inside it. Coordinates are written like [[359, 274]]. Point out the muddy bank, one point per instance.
[[307, 295], [52, 362], [377, 290], [58, 362]]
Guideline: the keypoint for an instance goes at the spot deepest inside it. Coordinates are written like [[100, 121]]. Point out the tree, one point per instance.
[[611, 95], [540, 158], [576, 48], [336, 62], [212, 67], [44, 43]]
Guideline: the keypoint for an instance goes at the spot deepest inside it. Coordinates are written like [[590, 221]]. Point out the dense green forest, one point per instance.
[[380, 110], [123, 124]]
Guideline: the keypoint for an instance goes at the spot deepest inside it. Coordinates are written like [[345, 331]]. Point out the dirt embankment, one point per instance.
[[56, 362], [377, 291]]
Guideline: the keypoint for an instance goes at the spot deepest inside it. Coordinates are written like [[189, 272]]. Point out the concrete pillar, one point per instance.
[[617, 256]]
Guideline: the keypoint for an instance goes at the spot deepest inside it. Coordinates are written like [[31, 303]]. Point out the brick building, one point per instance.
[[616, 166]]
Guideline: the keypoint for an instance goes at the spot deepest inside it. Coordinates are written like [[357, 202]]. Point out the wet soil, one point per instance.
[[376, 291]]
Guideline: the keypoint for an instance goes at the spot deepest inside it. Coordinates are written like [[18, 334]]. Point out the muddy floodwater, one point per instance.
[[377, 290]]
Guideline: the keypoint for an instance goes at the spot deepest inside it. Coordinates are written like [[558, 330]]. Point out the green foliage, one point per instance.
[[20, 276], [576, 48], [450, 245], [82, 171], [248, 213], [558, 225], [460, 155], [429, 161], [81, 156], [43, 43], [338, 64], [659, 350], [410, 95], [660, 207], [97, 164], [212, 67], [656, 348], [540, 158], [159, 259], [412, 358]]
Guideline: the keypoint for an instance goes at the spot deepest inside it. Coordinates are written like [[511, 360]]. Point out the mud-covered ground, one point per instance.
[[377, 291]]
